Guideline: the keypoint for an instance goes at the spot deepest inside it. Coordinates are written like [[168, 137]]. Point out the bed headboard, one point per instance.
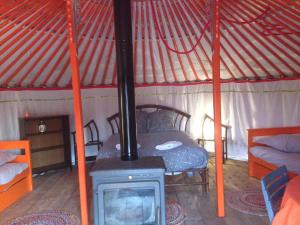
[[181, 118]]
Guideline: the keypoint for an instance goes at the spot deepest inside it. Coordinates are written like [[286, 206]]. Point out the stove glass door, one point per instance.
[[134, 203]]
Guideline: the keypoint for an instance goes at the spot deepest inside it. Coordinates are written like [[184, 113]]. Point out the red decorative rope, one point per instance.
[[249, 21], [275, 30], [166, 43]]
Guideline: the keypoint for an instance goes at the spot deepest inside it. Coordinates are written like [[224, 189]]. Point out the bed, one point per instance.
[[20, 183], [263, 159], [156, 125]]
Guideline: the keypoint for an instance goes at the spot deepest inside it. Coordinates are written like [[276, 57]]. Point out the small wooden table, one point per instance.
[[289, 212]]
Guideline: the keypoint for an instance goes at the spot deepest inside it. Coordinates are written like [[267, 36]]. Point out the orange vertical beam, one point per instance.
[[217, 109], [78, 112]]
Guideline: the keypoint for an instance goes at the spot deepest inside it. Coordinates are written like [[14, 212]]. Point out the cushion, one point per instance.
[[283, 142], [278, 158], [141, 121], [6, 157], [10, 170], [161, 120]]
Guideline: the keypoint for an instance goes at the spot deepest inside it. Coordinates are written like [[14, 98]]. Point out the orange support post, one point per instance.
[[78, 113], [217, 109]]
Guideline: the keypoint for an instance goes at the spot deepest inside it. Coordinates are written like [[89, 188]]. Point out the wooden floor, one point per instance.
[[59, 190]]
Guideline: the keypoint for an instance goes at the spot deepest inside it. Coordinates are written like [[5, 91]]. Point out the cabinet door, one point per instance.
[[49, 159], [46, 141]]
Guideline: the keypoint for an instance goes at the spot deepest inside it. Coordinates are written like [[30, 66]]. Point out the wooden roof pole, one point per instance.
[[77, 112], [217, 109]]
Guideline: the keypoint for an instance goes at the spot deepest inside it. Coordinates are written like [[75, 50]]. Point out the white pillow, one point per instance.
[[6, 157], [283, 142]]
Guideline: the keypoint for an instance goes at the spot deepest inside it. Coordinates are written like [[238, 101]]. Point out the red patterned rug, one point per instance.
[[46, 218], [249, 201], [175, 216], [175, 213]]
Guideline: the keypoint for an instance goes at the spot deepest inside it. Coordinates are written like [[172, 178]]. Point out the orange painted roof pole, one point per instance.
[[77, 112], [217, 109]]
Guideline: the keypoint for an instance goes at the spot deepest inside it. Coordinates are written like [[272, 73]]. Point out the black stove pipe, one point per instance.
[[124, 51]]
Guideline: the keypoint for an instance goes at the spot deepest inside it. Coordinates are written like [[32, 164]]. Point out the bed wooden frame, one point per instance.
[[22, 183], [180, 123], [181, 118], [257, 167]]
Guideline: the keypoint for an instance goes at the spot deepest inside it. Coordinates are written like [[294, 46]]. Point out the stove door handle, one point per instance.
[[157, 216]]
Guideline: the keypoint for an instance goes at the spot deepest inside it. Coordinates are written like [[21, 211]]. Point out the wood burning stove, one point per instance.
[[129, 192]]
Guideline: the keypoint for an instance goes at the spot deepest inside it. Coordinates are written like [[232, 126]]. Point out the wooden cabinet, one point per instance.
[[49, 141]]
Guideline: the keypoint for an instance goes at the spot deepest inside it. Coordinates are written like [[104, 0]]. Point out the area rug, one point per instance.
[[175, 216], [249, 201], [175, 213], [46, 218]]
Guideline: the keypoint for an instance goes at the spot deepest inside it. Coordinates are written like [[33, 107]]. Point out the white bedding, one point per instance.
[[168, 145], [9, 170], [278, 158]]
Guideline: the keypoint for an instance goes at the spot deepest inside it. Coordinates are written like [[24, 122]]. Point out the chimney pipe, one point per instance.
[[124, 53]]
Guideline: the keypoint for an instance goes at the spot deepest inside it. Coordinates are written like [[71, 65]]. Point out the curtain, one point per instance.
[[244, 106]]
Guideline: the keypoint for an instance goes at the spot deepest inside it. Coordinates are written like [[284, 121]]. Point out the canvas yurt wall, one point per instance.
[[247, 105]]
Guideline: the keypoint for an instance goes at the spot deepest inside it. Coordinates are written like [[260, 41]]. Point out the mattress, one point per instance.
[[8, 171], [187, 156], [278, 158]]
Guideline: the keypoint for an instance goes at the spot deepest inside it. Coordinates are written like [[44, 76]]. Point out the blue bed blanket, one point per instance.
[[187, 156]]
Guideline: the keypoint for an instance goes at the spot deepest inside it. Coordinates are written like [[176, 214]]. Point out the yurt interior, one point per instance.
[[149, 112]]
